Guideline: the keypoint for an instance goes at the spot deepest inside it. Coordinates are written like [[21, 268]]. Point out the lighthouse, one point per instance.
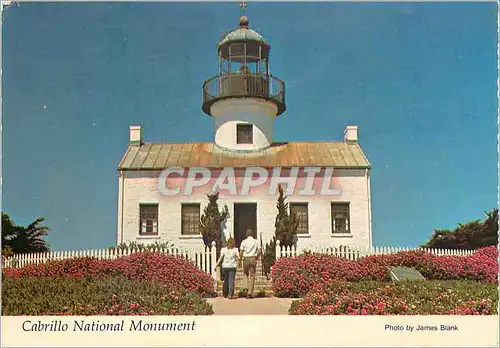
[[163, 186], [243, 98]]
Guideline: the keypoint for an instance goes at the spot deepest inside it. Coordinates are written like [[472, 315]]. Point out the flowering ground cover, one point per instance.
[[175, 272], [33, 295], [296, 276], [481, 266], [452, 297]]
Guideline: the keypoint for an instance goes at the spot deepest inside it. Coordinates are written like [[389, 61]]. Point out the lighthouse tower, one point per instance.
[[243, 99]]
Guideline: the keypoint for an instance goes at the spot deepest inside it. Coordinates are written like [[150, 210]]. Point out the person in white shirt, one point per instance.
[[229, 259], [249, 252]]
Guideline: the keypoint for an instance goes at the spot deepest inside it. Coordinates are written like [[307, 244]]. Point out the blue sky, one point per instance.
[[418, 79]]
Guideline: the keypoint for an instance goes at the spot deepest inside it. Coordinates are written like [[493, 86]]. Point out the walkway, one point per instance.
[[255, 306]]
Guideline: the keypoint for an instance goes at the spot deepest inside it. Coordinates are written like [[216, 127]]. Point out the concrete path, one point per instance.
[[255, 306]]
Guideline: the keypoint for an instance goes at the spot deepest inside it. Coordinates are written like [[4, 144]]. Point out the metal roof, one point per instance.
[[242, 34], [155, 156]]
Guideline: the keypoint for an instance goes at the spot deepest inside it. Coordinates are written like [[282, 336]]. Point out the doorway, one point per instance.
[[245, 217]]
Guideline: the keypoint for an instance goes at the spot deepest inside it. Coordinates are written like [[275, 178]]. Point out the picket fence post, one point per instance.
[[278, 250], [213, 260]]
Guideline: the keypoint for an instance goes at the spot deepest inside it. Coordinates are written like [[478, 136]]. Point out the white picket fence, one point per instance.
[[205, 259], [354, 253]]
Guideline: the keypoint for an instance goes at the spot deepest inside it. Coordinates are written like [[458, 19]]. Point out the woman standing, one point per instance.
[[229, 259]]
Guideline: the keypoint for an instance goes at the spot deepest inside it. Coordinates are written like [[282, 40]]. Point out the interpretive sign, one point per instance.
[[405, 273]]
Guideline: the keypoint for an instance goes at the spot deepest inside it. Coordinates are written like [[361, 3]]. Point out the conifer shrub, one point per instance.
[[285, 231], [210, 222]]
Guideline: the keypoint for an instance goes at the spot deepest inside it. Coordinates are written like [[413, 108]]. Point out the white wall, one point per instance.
[[142, 187], [228, 113]]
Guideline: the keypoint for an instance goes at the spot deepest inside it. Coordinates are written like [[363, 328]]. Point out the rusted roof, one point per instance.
[[154, 156]]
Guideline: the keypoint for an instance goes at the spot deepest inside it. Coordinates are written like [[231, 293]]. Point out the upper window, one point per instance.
[[190, 219], [340, 218], [301, 211], [244, 134], [149, 219]]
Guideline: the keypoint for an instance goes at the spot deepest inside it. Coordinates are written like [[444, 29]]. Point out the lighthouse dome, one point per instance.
[[243, 33]]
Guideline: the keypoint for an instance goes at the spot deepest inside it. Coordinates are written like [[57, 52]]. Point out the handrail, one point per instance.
[[231, 85]]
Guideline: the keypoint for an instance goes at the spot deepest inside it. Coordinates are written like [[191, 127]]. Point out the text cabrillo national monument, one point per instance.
[[163, 187]]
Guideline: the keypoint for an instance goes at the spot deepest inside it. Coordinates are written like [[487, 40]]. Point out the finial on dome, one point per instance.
[[243, 6], [244, 21], [243, 18]]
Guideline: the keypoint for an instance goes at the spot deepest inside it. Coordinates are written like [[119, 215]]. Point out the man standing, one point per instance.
[[249, 252]]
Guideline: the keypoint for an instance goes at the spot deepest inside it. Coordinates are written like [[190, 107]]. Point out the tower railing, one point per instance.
[[244, 85]]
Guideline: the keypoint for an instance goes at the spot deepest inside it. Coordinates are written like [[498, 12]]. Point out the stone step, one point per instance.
[[237, 283], [258, 271], [255, 289], [243, 278], [263, 293], [262, 282], [241, 274], [257, 279]]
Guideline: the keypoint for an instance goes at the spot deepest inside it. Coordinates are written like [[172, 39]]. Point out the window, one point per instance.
[[301, 211], [190, 219], [340, 218], [244, 134], [149, 219]]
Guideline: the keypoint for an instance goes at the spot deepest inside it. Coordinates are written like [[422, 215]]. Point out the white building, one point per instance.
[[244, 100]]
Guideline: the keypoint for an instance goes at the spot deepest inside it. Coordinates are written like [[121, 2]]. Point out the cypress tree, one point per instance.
[[211, 220], [286, 225]]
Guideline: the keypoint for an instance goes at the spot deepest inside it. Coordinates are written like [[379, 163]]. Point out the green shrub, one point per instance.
[[88, 296], [132, 245], [261, 293], [269, 256]]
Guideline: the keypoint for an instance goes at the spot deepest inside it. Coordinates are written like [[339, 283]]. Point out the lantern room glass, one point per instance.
[[244, 58]]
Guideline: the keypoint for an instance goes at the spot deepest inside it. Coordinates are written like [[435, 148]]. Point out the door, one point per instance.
[[245, 217]]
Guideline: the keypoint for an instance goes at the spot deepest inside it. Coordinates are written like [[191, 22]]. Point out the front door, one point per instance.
[[245, 217]]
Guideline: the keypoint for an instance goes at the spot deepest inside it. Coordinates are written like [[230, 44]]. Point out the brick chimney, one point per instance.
[[351, 134], [136, 135]]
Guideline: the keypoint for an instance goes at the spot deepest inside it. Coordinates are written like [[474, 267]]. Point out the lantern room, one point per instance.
[[243, 51], [243, 92]]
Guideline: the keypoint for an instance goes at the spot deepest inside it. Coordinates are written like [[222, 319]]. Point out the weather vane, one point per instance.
[[243, 6]]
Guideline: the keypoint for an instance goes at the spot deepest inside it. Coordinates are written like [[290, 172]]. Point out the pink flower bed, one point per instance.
[[400, 298], [296, 276], [475, 307], [174, 271], [481, 266], [318, 303]]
